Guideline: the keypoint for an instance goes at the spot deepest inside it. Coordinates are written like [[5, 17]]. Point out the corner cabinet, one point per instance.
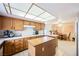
[[9, 23], [8, 48]]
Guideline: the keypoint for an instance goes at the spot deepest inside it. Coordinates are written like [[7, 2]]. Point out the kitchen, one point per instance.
[[23, 34]]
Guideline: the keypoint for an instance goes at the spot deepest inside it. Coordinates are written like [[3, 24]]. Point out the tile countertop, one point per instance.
[[40, 40], [13, 38]]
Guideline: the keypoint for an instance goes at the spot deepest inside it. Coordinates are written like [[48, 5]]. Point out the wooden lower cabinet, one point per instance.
[[49, 48], [8, 48], [11, 47], [25, 42], [18, 45], [44, 49]]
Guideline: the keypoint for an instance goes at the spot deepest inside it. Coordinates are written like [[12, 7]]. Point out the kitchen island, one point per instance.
[[42, 46]]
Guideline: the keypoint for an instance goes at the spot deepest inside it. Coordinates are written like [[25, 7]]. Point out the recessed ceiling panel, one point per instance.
[[6, 4], [2, 8], [21, 6], [35, 10], [16, 12], [45, 15], [30, 16], [39, 19], [50, 18]]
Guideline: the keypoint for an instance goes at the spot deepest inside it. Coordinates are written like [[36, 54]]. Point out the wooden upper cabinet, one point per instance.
[[7, 23], [32, 23], [26, 22], [8, 48], [39, 26], [36, 26], [18, 24], [0, 23], [42, 26]]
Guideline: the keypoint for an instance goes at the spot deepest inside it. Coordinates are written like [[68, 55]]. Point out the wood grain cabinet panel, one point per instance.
[[36, 26], [40, 50], [32, 23], [44, 49], [7, 23], [26, 22], [25, 43], [8, 48], [39, 26], [18, 45], [18, 24], [11, 47], [49, 48], [0, 23]]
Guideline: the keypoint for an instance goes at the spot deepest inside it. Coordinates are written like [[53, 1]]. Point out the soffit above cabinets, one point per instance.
[[27, 10]]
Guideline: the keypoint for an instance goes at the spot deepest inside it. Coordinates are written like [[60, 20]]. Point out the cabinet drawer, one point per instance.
[[40, 50]]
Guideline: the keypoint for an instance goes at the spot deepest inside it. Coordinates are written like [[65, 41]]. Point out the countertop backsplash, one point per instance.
[[25, 32], [1, 33]]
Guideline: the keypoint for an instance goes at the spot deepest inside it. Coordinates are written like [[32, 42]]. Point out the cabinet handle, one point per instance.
[[42, 48]]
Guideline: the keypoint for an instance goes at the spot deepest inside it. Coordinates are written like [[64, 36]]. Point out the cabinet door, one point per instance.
[[18, 45], [26, 22], [7, 23], [25, 43], [42, 26], [39, 26], [49, 49], [40, 50], [18, 24], [8, 48], [36, 26]]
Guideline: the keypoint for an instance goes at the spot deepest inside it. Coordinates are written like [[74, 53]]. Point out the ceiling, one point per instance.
[[26, 10], [40, 11], [61, 10]]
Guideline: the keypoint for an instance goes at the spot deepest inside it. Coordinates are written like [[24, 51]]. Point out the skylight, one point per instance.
[[2, 8], [35, 10], [45, 15], [21, 6], [30, 16], [18, 13], [28, 10], [38, 18]]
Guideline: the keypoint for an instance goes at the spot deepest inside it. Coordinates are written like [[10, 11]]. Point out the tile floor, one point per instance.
[[65, 48]]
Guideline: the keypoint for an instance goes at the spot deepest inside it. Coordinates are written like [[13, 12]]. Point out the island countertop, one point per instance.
[[40, 40], [14, 38]]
